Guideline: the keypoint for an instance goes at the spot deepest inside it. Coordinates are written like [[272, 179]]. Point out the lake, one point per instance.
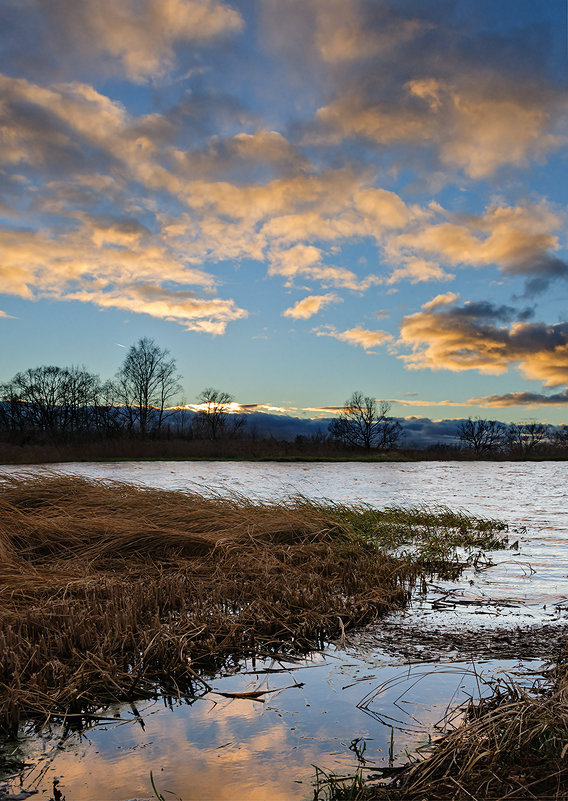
[[218, 748]]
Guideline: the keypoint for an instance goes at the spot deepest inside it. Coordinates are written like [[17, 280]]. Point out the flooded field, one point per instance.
[[387, 685]]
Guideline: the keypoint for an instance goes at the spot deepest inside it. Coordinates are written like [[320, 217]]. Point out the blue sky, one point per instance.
[[298, 198]]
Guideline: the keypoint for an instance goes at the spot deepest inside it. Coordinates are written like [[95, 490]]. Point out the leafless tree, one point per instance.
[[146, 383], [525, 439], [364, 422], [215, 420], [560, 437], [482, 436], [58, 401]]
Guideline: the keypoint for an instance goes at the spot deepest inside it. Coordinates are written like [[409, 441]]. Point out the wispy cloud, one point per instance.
[[136, 39], [309, 306], [358, 336]]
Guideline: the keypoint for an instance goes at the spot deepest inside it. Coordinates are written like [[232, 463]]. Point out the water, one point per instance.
[[219, 748]]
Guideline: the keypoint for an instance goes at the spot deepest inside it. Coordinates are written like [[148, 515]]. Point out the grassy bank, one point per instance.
[[113, 592]]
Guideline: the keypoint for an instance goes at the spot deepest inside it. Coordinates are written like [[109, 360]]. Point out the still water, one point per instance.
[[218, 748]]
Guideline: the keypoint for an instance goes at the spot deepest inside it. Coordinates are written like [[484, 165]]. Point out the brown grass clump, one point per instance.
[[512, 745], [110, 591]]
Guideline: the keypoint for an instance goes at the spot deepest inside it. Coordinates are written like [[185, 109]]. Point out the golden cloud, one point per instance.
[[205, 315], [477, 126], [312, 304], [518, 239], [469, 338], [357, 336]]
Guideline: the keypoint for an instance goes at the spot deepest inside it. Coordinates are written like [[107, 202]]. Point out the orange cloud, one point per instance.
[[306, 260], [205, 315], [477, 125], [518, 239]]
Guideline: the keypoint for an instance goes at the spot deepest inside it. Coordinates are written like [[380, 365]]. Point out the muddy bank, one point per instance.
[[416, 643]]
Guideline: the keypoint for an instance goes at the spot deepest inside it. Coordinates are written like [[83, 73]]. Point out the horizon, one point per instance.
[[296, 199]]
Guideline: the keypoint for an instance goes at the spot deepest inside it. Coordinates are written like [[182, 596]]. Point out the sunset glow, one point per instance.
[[296, 198]]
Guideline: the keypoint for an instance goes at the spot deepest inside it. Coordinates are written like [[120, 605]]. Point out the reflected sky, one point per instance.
[[219, 748]]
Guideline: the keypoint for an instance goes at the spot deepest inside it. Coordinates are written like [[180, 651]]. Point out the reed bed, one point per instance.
[[110, 591]]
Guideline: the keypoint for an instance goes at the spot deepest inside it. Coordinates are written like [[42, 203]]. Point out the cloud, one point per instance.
[[520, 240], [113, 263], [205, 315], [117, 202], [484, 106], [306, 260], [441, 300], [347, 32], [5, 316], [476, 130], [312, 304], [245, 156], [357, 336], [530, 399], [136, 37], [468, 337]]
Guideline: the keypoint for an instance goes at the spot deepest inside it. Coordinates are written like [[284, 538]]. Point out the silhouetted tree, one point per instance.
[[214, 420], [525, 439], [58, 401], [560, 437], [364, 422], [482, 436], [146, 383]]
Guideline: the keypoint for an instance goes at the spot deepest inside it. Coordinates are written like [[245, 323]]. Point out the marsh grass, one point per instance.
[[112, 592]]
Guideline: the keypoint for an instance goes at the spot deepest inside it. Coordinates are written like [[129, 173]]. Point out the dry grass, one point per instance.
[[109, 591], [510, 746]]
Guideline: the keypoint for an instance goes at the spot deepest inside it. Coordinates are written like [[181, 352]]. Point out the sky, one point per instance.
[[297, 198]]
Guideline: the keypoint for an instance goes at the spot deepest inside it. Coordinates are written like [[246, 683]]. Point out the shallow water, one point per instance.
[[218, 748]]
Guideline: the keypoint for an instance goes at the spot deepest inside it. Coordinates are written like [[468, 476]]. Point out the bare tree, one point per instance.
[[364, 422], [57, 401], [525, 439], [146, 383], [560, 437], [482, 436], [215, 420]]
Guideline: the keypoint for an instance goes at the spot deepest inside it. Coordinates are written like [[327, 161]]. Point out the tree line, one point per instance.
[[71, 404], [67, 403], [490, 438]]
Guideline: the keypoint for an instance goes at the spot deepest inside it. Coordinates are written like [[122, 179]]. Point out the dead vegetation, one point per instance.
[[110, 591], [511, 745]]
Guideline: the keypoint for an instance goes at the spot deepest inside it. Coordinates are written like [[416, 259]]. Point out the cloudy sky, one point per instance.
[[298, 198]]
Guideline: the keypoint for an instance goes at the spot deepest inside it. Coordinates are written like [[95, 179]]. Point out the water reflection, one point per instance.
[[240, 749]]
